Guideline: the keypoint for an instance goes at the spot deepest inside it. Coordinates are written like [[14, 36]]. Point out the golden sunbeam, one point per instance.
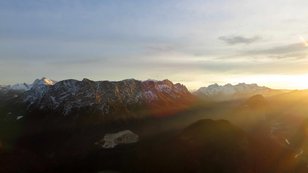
[[304, 41]]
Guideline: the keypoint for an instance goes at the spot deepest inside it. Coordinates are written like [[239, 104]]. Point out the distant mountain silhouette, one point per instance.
[[231, 92]]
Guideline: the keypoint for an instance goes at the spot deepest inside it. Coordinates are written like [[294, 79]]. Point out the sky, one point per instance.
[[194, 42]]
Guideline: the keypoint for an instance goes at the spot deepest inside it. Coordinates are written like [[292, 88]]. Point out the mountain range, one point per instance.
[[58, 126], [226, 91], [99, 97], [116, 97]]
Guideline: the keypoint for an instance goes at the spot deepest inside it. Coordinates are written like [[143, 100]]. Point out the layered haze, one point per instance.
[[162, 86]]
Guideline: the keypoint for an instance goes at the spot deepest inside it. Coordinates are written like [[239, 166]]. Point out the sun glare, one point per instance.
[[276, 81], [304, 41]]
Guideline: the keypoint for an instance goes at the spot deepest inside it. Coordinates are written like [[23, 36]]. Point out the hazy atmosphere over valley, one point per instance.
[[153, 86]]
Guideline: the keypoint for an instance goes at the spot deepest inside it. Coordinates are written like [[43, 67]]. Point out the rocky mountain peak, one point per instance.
[[106, 97], [43, 81]]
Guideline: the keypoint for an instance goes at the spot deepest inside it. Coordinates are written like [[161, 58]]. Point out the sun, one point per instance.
[[275, 81]]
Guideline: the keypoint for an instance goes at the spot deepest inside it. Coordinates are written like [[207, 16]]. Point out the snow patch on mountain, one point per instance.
[[111, 140], [20, 87]]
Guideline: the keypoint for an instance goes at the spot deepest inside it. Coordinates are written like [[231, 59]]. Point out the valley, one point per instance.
[[195, 134]]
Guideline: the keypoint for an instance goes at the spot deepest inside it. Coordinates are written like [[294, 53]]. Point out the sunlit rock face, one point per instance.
[[123, 137], [105, 97]]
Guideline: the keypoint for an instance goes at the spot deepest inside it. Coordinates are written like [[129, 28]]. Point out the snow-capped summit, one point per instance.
[[229, 91], [22, 87], [38, 88], [43, 81]]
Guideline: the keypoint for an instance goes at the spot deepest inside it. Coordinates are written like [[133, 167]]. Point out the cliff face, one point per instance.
[[104, 97]]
